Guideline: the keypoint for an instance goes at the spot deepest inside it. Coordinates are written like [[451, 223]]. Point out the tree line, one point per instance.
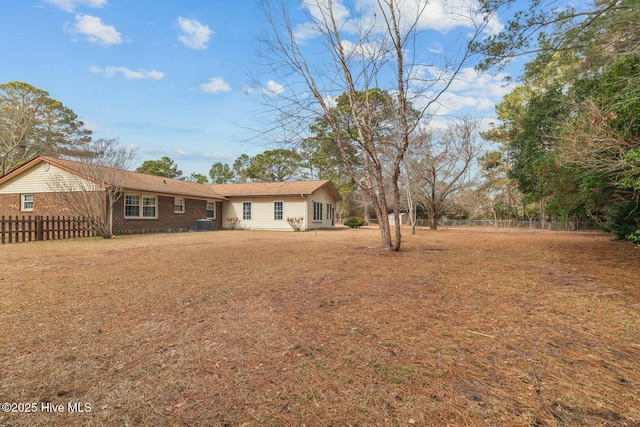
[[568, 136]]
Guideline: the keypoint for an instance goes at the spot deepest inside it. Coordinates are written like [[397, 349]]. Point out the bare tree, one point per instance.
[[441, 163], [98, 186], [359, 51]]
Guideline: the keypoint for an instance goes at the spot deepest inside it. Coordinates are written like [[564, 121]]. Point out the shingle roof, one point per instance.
[[274, 188], [156, 184], [139, 181]]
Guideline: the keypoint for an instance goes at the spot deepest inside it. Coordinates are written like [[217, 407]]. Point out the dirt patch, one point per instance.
[[231, 328]]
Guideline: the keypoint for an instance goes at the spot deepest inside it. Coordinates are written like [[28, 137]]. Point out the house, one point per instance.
[[269, 205], [48, 186]]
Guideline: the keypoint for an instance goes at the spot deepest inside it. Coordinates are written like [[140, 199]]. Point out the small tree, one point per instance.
[[295, 223], [93, 193], [233, 222], [442, 163]]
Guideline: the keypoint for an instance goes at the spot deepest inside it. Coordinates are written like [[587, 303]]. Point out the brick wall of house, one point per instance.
[[45, 204], [167, 219], [10, 205], [55, 204]]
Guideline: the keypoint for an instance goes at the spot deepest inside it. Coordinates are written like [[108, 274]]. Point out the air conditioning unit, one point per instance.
[[204, 225]]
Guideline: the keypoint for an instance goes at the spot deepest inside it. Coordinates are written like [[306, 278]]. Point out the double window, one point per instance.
[[140, 206], [26, 202], [278, 211], [211, 210], [317, 211], [246, 211]]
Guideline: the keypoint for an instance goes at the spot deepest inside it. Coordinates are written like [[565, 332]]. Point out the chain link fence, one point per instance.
[[533, 225]]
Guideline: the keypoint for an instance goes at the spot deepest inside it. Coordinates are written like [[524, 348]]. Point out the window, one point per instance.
[[178, 205], [278, 210], [132, 206], [330, 211], [317, 211], [246, 210], [26, 202], [211, 210], [148, 207]]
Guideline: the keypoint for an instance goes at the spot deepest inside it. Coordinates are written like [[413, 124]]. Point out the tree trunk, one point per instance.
[[383, 222], [433, 219], [109, 216], [396, 212]]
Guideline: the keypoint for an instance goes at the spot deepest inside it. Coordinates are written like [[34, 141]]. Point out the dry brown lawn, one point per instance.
[[238, 328]]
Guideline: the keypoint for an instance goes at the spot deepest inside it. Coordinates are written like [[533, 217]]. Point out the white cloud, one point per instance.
[[193, 34], [469, 92], [341, 13], [70, 5], [330, 101], [215, 85], [438, 15], [304, 31], [150, 152], [127, 73], [469, 80], [308, 30], [364, 51], [95, 31], [273, 88]]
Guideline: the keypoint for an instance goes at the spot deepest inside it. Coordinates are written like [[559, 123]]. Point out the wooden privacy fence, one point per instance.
[[28, 229]]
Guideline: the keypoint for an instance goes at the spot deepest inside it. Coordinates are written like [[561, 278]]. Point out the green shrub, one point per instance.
[[635, 237], [623, 220], [355, 222]]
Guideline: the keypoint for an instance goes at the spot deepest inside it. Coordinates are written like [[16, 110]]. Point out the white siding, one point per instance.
[[39, 180], [323, 196], [262, 212]]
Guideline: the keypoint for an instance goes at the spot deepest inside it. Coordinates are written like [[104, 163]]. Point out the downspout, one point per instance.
[[306, 208]]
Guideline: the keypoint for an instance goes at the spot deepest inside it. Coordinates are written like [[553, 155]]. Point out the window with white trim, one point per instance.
[[26, 202], [317, 211], [149, 207], [138, 206], [211, 210], [246, 211], [178, 205], [278, 211], [132, 206]]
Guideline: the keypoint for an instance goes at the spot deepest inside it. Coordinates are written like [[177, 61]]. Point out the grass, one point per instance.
[[240, 328]]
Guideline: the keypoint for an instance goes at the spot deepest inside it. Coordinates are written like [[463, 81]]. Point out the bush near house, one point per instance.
[[355, 222]]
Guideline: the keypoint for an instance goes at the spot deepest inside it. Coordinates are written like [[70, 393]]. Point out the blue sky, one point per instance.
[[171, 77]]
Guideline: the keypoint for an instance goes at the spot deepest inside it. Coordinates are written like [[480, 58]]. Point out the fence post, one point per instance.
[[39, 233], [2, 229], [23, 229], [10, 229]]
